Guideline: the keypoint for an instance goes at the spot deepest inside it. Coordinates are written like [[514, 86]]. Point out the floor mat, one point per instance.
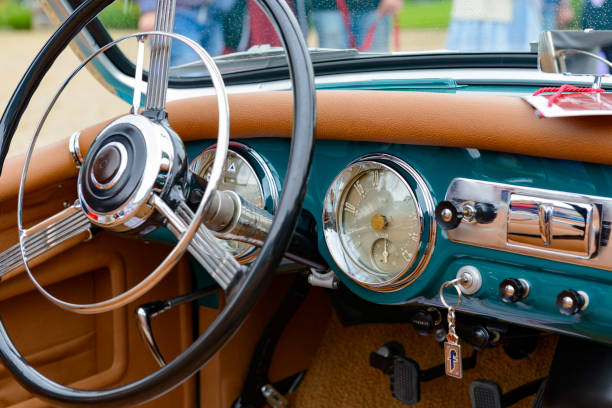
[[342, 377]]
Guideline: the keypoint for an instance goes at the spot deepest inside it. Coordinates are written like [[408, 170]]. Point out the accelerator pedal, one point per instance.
[[485, 394]]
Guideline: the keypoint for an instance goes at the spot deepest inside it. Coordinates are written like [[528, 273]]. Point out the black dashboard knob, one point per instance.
[[570, 302], [448, 215], [425, 321], [485, 213], [512, 290]]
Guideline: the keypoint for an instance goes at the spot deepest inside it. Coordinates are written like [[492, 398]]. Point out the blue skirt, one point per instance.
[[525, 27]]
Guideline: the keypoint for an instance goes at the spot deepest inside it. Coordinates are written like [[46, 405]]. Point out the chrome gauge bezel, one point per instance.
[[332, 220], [266, 180]]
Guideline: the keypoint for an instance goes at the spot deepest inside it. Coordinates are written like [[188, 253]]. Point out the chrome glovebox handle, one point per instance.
[[562, 226]]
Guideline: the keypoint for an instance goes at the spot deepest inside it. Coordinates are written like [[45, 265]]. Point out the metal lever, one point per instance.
[[145, 312]]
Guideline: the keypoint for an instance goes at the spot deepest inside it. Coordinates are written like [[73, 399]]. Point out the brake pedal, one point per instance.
[[485, 394], [403, 372]]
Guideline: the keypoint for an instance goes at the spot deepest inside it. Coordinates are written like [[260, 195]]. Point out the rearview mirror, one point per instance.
[[585, 52]]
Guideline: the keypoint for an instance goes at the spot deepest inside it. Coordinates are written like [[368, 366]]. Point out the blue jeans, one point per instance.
[[332, 30], [199, 24], [549, 15]]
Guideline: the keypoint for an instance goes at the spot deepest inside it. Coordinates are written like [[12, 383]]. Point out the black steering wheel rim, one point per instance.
[[260, 271]]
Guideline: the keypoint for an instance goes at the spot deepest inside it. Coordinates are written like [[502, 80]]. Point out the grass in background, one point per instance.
[[120, 14], [425, 14], [14, 15]]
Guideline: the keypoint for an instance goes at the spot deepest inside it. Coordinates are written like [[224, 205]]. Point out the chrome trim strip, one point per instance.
[[597, 219]]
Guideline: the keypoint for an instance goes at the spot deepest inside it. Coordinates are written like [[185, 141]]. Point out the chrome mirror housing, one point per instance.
[[579, 52]]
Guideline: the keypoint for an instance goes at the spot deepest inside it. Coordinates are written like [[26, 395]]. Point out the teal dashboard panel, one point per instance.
[[439, 166]]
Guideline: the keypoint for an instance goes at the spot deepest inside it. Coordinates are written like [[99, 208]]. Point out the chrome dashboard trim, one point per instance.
[[75, 149], [331, 220], [597, 220]]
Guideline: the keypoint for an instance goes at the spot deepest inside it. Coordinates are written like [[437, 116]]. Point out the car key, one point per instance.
[[452, 348]]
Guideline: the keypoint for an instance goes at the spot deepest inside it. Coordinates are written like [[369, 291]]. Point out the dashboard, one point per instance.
[[532, 232]]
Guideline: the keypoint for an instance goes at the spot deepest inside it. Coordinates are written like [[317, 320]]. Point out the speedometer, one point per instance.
[[245, 173], [378, 223]]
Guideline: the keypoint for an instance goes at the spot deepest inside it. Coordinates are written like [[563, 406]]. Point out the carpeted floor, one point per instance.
[[342, 377]]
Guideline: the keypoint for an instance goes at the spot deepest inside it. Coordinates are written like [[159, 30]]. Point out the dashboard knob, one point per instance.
[[512, 290], [425, 321], [484, 213], [449, 215], [570, 302]]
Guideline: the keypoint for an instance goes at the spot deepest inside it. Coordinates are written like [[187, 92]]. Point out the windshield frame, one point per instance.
[[362, 62]]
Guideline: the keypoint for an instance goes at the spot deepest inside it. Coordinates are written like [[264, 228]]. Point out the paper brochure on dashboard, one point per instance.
[[571, 104]]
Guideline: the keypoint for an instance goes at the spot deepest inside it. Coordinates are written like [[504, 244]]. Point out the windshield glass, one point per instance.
[[239, 34]]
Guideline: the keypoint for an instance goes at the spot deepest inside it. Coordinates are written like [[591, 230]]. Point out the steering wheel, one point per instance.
[[142, 149]]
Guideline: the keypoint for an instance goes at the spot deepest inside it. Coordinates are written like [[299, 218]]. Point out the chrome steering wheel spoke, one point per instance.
[[160, 56], [138, 76], [67, 225], [204, 247]]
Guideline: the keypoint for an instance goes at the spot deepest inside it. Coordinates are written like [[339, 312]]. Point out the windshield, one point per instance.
[[239, 34]]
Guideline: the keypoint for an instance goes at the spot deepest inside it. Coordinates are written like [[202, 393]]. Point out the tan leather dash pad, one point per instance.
[[490, 122]]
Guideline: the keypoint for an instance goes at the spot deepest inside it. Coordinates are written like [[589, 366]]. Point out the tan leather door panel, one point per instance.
[[94, 351]]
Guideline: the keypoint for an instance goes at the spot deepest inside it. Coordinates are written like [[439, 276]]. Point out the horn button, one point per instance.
[[109, 165], [127, 162]]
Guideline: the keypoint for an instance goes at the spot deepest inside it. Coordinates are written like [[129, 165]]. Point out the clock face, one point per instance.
[[379, 224]]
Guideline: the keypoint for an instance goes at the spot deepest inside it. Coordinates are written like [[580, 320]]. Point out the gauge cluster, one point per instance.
[[245, 173], [378, 224], [537, 243]]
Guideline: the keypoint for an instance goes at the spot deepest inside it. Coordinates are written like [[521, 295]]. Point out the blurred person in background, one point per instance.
[[361, 24], [556, 14], [200, 20], [597, 14], [500, 25]]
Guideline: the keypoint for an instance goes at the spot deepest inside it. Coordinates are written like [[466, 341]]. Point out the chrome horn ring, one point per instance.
[[151, 198]]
